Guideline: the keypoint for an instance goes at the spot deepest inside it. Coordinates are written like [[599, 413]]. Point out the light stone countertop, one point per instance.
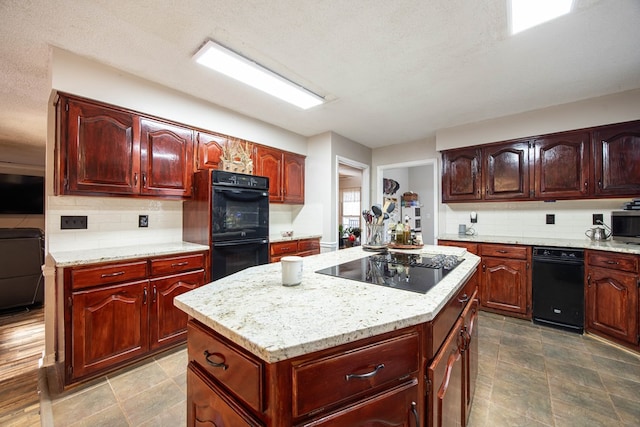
[[607, 245], [274, 322], [92, 256], [274, 238]]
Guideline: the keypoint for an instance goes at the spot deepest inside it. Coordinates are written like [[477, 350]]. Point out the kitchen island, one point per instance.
[[330, 350]]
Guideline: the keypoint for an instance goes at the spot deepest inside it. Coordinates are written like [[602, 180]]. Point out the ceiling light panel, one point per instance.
[[529, 13], [229, 63]]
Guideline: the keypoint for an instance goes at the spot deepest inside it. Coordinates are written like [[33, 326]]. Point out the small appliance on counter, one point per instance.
[[625, 226]]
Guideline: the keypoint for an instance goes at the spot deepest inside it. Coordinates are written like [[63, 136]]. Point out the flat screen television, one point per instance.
[[21, 194]]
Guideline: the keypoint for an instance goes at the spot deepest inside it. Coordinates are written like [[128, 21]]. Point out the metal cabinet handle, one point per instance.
[[367, 375], [135, 179], [414, 411], [155, 294], [501, 251], [612, 262], [117, 273], [144, 180], [222, 365], [144, 296], [464, 298], [180, 264]]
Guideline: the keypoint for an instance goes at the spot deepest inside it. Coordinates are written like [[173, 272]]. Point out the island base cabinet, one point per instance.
[[209, 406], [396, 407]]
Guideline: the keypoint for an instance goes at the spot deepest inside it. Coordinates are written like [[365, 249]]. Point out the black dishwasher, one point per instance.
[[558, 288]]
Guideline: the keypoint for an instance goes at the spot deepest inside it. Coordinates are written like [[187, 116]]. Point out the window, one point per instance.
[[350, 207]]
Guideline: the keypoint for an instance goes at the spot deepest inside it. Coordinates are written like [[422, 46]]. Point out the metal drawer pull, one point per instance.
[[612, 262], [117, 273], [464, 298], [414, 410], [180, 264], [367, 375], [501, 251], [215, 364]]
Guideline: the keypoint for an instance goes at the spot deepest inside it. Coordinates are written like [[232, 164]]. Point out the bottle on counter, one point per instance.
[[407, 231], [400, 234]]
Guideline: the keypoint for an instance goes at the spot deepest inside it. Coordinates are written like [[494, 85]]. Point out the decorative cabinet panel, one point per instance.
[[616, 152], [123, 311], [461, 175], [506, 171], [209, 150], [166, 153], [106, 150], [561, 166], [505, 286], [285, 171], [208, 405], [611, 297], [269, 162], [98, 149], [108, 327]]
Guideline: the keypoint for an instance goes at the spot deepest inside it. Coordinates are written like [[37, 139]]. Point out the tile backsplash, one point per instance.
[[112, 222], [529, 219]]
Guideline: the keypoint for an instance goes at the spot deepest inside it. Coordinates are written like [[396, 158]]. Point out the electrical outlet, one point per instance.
[[143, 220], [551, 219], [596, 218], [73, 222]]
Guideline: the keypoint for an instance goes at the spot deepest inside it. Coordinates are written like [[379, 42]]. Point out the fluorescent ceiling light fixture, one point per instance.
[[229, 63], [529, 13]]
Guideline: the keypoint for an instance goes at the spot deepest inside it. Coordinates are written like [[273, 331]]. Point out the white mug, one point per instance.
[[291, 270]]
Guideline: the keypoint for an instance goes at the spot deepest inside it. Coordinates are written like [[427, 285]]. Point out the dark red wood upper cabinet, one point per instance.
[[166, 153], [506, 171], [293, 178], [98, 150], [210, 147], [461, 175], [269, 162], [616, 150], [561, 166]]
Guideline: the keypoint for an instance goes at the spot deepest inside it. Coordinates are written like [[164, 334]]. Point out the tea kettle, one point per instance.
[[597, 234]]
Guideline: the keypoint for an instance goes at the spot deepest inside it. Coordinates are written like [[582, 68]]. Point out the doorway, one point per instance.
[[352, 199], [419, 180]]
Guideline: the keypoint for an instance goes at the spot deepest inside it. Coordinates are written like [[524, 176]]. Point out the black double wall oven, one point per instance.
[[239, 222]]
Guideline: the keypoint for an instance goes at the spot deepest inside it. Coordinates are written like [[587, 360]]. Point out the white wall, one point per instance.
[[421, 182]]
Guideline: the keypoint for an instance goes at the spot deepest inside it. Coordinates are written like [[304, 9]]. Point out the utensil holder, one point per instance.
[[375, 236]]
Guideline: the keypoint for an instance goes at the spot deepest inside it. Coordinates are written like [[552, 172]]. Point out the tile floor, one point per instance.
[[528, 376]]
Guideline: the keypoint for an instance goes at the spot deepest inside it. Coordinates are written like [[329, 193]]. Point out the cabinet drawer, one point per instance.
[[470, 247], [308, 245], [176, 264], [238, 372], [346, 375], [108, 273], [281, 248], [504, 251], [448, 316], [615, 261]]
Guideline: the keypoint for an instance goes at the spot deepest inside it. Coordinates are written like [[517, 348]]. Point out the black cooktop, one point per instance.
[[410, 272]]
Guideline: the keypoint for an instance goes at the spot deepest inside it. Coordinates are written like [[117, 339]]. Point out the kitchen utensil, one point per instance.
[[597, 234], [376, 211]]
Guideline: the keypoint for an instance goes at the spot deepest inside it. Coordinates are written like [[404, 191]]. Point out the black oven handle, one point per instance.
[[244, 195], [241, 243]]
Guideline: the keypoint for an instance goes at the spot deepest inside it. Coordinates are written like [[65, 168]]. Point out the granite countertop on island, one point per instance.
[[92, 256], [274, 238], [252, 308], [606, 245]]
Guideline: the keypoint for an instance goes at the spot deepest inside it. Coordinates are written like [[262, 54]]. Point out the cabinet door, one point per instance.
[[167, 323], [616, 151], [108, 326], [397, 407], [470, 353], [612, 303], [210, 147], [504, 285], [461, 177], [561, 166], [506, 171], [445, 373], [208, 405], [166, 155], [99, 150], [293, 180], [269, 163]]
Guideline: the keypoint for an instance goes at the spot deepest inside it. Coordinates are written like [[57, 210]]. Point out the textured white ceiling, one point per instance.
[[396, 71]]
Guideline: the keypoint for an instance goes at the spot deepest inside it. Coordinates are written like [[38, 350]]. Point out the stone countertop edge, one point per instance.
[[274, 322], [607, 245], [93, 256], [275, 238]]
